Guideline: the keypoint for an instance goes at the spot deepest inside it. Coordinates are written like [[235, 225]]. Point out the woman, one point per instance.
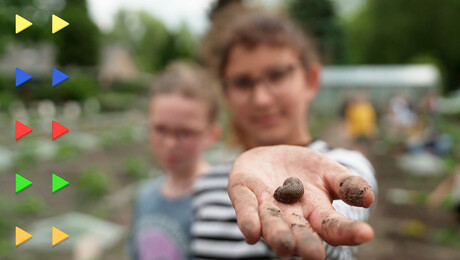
[[270, 74]]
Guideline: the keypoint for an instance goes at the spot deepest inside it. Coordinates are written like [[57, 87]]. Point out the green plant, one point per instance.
[[449, 163], [108, 139], [32, 205], [447, 236], [118, 137], [117, 101], [6, 225], [126, 135], [79, 87], [5, 248], [93, 183], [79, 45], [66, 151], [447, 202], [26, 155], [135, 167], [133, 86]]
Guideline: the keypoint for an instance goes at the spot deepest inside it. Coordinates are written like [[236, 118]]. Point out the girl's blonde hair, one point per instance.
[[191, 81]]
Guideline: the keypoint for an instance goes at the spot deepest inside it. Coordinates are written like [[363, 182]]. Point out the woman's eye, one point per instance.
[[244, 83], [276, 75]]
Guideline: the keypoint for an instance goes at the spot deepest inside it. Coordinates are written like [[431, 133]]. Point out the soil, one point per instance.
[[390, 242]]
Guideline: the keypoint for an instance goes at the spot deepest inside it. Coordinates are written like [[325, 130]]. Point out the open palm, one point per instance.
[[299, 227]]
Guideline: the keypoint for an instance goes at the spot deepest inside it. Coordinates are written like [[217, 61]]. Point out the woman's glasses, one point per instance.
[[275, 79]]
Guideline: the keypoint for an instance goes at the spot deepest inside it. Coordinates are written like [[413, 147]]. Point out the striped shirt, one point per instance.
[[215, 232]]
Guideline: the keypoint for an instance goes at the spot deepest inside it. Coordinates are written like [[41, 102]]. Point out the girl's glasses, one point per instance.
[[181, 135]]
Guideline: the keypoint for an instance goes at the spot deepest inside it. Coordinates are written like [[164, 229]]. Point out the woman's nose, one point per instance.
[[262, 95]]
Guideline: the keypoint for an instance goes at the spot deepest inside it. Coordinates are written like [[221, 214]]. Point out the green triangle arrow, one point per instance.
[[22, 183], [58, 183]]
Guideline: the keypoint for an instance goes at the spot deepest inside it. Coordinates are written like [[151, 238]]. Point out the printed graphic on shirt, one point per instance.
[[159, 238]]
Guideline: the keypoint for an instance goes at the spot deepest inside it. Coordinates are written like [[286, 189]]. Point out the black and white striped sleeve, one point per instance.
[[215, 232]]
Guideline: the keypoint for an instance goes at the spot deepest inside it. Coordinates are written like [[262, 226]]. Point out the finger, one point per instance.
[[275, 230], [247, 213], [308, 244], [336, 229], [342, 183], [352, 189], [355, 191]]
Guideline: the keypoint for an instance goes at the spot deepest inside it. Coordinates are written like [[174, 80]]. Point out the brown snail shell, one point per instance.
[[291, 191]]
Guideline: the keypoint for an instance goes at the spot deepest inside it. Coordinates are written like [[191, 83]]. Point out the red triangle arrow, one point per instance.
[[58, 130], [22, 130]]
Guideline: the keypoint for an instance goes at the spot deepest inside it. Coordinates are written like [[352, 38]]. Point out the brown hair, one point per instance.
[[191, 81], [251, 28], [254, 28]]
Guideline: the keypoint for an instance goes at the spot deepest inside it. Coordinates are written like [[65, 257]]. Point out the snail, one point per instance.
[[290, 192]]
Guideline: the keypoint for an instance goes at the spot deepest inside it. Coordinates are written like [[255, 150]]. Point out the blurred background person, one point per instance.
[[182, 125], [361, 121], [401, 113]]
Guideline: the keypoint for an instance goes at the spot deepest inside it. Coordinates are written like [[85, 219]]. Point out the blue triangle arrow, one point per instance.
[[21, 77], [58, 77]]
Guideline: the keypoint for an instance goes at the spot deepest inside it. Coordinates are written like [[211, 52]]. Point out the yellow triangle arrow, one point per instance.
[[58, 236], [58, 24], [22, 24], [21, 236]]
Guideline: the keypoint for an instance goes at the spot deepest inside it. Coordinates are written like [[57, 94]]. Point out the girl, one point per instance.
[[182, 115]]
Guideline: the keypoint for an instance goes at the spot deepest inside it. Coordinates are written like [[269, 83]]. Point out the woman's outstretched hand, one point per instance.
[[297, 228]]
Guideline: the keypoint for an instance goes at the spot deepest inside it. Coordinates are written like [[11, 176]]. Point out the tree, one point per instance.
[[185, 43], [78, 44], [393, 31], [151, 42], [318, 18], [27, 9]]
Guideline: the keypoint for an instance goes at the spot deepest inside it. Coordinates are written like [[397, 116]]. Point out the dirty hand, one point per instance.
[[294, 228]]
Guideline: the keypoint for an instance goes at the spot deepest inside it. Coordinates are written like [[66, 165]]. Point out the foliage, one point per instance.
[[116, 101], [79, 87], [93, 183], [79, 44], [152, 43], [447, 236], [31, 205], [6, 222], [36, 11], [138, 87], [66, 151], [393, 31], [318, 18], [135, 167], [26, 155]]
